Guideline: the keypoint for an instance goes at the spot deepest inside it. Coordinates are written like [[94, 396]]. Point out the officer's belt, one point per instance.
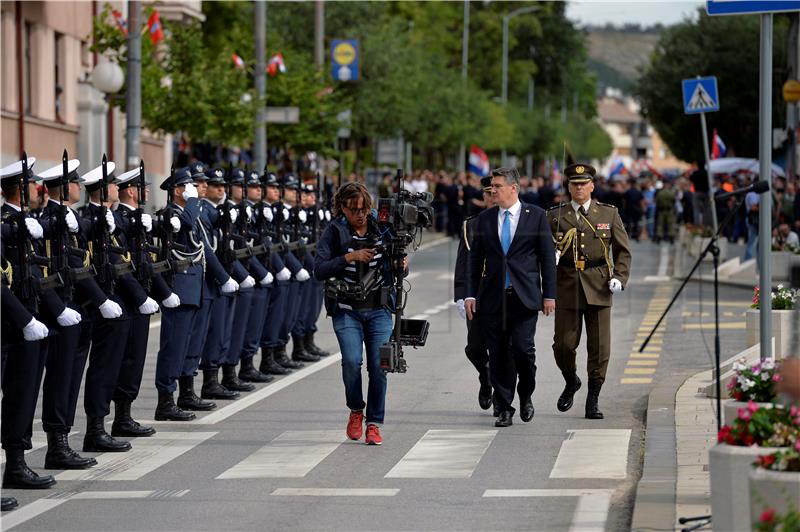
[[587, 264]]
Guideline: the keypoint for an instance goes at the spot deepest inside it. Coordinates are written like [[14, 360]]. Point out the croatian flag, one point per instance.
[[276, 65], [618, 168], [238, 61], [718, 148], [478, 161]]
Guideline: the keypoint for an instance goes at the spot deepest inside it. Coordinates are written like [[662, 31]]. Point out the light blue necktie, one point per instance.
[[505, 241]]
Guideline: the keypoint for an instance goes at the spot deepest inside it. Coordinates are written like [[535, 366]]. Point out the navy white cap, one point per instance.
[[253, 179], [129, 179], [55, 173], [197, 170], [92, 179], [14, 170], [236, 176]]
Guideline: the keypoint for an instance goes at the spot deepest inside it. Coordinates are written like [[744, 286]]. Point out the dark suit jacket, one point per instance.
[[530, 261], [462, 259]]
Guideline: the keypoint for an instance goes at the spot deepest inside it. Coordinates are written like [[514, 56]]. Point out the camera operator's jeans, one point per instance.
[[355, 329]]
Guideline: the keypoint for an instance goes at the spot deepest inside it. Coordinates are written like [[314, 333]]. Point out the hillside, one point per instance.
[[616, 55]]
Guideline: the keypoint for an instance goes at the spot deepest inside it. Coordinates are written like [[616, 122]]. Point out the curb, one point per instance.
[[654, 505]]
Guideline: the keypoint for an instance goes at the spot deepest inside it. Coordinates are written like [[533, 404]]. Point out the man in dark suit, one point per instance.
[[512, 276]]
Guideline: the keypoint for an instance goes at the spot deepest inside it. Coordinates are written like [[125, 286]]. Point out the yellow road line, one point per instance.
[[733, 325], [644, 355], [642, 362], [639, 371], [635, 380]]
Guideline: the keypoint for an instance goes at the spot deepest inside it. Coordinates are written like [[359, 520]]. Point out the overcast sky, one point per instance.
[[644, 12]]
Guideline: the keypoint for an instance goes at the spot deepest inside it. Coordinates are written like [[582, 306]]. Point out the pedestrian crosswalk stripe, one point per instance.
[[639, 371], [635, 380], [593, 453], [291, 455], [591, 512], [444, 454], [642, 362], [644, 355], [732, 325], [336, 492], [147, 455]]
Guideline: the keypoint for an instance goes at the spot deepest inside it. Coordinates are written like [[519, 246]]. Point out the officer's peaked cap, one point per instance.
[[52, 176], [579, 173]]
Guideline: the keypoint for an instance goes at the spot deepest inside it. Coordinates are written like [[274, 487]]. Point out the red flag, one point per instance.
[[238, 61], [718, 148], [154, 27], [120, 22], [276, 65]]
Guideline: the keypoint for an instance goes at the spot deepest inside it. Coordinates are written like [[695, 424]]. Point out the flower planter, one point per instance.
[[773, 489], [781, 330], [729, 468], [698, 244], [782, 263], [730, 409]]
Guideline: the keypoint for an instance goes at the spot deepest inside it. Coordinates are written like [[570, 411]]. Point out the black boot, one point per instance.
[[313, 348], [592, 410], [565, 399], [232, 382], [61, 456], [9, 503], [125, 425], [97, 440], [188, 400], [167, 411], [299, 352], [249, 373], [212, 389], [268, 364], [279, 353], [19, 476]]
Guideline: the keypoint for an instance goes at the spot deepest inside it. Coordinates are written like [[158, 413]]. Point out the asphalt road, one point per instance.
[[278, 459]]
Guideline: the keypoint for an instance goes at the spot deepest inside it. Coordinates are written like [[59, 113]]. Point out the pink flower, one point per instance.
[[797, 446], [767, 515], [752, 407], [793, 411], [776, 377], [745, 415], [731, 384]]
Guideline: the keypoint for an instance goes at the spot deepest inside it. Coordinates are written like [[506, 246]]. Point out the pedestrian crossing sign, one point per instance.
[[700, 95]]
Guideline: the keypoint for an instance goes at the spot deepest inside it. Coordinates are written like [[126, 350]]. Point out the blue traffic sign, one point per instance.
[[700, 95], [344, 59], [749, 7]]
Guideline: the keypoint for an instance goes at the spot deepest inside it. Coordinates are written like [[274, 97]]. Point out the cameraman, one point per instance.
[[350, 250]]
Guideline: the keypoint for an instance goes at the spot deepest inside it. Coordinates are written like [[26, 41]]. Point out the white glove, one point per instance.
[[249, 210], [327, 216], [248, 282], [189, 191], [175, 222], [615, 286], [303, 216], [35, 330], [34, 228], [72, 222], [110, 310], [267, 280], [302, 275], [147, 222], [284, 274], [230, 286], [148, 307], [267, 212], [110, 221], [558, 256], [461, 311], [69, 317], [172, 301], [321, 215], [234, 214], [285, 213]]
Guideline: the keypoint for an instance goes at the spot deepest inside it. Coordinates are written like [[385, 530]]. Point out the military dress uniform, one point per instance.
[[594, 250]]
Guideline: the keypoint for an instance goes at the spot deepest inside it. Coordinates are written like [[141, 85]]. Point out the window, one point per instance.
[[58, 75]]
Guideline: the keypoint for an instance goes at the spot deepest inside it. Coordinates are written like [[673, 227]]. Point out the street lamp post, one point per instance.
[[504, 92]]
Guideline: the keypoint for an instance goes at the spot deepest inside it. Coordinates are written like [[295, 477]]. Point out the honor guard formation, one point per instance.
[[227, 262]]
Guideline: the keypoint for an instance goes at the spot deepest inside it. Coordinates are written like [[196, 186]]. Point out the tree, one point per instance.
[[726, 47]]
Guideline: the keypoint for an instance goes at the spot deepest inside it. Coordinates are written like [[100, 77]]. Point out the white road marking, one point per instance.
[[419, 317], [434, 243], [293, 454], [413, 275], [29, 511], [147, 455], [663, 261], [445, 277], [593, 453], [590, 514], [444, 454], [335, 492]]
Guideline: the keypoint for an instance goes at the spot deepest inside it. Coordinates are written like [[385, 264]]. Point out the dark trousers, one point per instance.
[[511, 352], [273, 317], [22, 368], [476, 349], [198, 332], [105, 360], [218, 339], [255, 322], [62, 379], [306, 300], [176, 332], [240, 321], [130, 374], [316, 300], [293, 299], [568, 329]]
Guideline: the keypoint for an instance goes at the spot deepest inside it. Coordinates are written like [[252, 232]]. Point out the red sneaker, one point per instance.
[[355, 425], [373, 435]]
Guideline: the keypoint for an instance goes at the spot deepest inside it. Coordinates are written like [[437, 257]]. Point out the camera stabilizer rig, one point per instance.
[[402, 219]]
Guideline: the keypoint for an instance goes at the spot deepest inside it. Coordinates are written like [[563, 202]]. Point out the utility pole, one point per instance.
[[765, 171], [531, 99], [260, 31], [319, 34], [462, 163], [133, 98]]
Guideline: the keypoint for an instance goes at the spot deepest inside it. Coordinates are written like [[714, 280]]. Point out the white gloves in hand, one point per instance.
[[172, 301], [112, 226], [147, 222], [230, 286], [615, 286], [110, 310], [284, 274], [267, 212], [234, 214], [35, 330], [285, 214], [327, 216], [248, 282], [72, 222], [69, 317], [175, 222], [303, 216], [267, 280], [558, 256], [461, 311], [34, 228], [302, 275], [148, 307], [189, 191], [321, 215], [249, 210]]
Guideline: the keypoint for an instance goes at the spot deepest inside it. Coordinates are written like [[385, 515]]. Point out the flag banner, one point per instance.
[[238, 61], [120, 22], [718, 148], [154, 27], [276, 65], [478, 161]]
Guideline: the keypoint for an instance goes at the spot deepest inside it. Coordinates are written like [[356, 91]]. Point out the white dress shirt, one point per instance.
[[576, 205], [513, 219]]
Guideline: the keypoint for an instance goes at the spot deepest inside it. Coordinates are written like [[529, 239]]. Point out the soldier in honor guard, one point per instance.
[[593, 264], [180, 220], [476, 349]]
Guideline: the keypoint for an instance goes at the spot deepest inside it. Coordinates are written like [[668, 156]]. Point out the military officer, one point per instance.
[[594, 264], [665, 213]]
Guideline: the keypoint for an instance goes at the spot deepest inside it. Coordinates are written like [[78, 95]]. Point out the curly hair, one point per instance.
[[348, 193]]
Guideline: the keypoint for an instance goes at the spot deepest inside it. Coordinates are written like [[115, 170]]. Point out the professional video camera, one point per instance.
[[407, 212]]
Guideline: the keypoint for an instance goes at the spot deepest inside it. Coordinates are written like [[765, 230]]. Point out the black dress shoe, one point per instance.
[[565, 399], [485, 396], [495, 411], [9, 503], [61, 456], [313, 348], [97, 440], [232, 382], [526, 409], [504, 419], [212, 389], [249, 373], [167, 411], [124, 425], [19, 476]]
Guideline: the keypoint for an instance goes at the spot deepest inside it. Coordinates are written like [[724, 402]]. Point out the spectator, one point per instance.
[[751, 201], [783, 237], [634, 208]]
